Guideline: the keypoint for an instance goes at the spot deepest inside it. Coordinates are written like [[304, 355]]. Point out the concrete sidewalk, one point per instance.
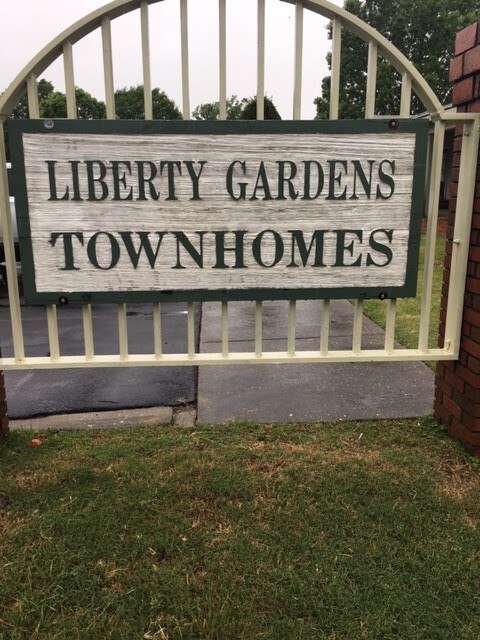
[[305, 393], [277, 393]]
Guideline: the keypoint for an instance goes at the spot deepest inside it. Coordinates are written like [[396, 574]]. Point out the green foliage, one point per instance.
[[423, 31], [129, 105], [88, 107], [244, 109], [206, 111], [211, 110], [45, 90], [249, 112]]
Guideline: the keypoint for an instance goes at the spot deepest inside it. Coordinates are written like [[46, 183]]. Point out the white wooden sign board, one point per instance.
[[312, 212]]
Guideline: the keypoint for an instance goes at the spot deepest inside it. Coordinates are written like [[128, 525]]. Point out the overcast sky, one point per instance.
[[28, 25]]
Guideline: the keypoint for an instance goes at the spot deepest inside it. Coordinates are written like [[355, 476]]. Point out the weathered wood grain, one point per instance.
[[216, 211]]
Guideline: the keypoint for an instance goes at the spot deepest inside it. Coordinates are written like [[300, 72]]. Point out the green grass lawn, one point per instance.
[[345, 531], [408, 309]]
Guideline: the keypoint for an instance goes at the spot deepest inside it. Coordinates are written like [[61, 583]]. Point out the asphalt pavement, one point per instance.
[[34, 393]]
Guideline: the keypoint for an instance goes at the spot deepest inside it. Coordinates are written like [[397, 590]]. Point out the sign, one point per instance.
[[136, 211]]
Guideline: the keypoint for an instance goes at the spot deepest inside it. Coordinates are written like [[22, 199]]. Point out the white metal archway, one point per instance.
[[63, 47]]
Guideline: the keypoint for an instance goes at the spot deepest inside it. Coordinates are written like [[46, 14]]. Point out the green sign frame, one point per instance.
[[17, 129]]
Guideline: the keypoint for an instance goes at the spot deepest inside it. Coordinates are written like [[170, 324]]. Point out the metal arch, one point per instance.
[[92, 21], [378, 44], [11, 96], [385, 48]]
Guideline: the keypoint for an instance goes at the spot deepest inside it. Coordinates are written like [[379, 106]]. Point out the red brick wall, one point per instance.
[[457, 390]]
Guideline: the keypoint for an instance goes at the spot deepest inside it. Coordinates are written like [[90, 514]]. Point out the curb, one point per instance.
[[185, 417]]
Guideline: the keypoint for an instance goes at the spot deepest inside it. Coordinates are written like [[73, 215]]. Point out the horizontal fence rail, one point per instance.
[[322, 343]]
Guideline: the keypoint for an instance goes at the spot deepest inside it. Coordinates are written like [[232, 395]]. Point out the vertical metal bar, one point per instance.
[[292, 327], [258, 328], [297, 92], [325, 326], [261, 60], [52, 324], [335, 73], [222, 27], [88, 331], [191, 329], [157, 329], [123, 331], [357, 326], [433, 199], [32, 96], [69, 81], [461, 235], [185, 63], [406, 95], [108, 67], [224, 329], [390, 325], [147, 78], [9, 249], [371, 80]]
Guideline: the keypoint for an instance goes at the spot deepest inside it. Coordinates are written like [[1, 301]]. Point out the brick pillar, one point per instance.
[[457, 383]]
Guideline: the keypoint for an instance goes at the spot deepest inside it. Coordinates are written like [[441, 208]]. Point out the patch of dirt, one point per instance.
[[460, 480]]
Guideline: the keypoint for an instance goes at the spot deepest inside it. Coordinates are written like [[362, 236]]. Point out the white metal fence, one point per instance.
[[64, 48]]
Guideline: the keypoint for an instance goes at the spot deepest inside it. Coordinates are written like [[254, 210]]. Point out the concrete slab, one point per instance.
[[310, 393], [96, 420]]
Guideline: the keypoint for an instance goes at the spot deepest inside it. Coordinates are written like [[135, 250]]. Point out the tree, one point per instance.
[[249, 112], [244, 109], [424, 31], [211, 110], [45, 90], [53, 104], [88, 107], [129, 105]]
